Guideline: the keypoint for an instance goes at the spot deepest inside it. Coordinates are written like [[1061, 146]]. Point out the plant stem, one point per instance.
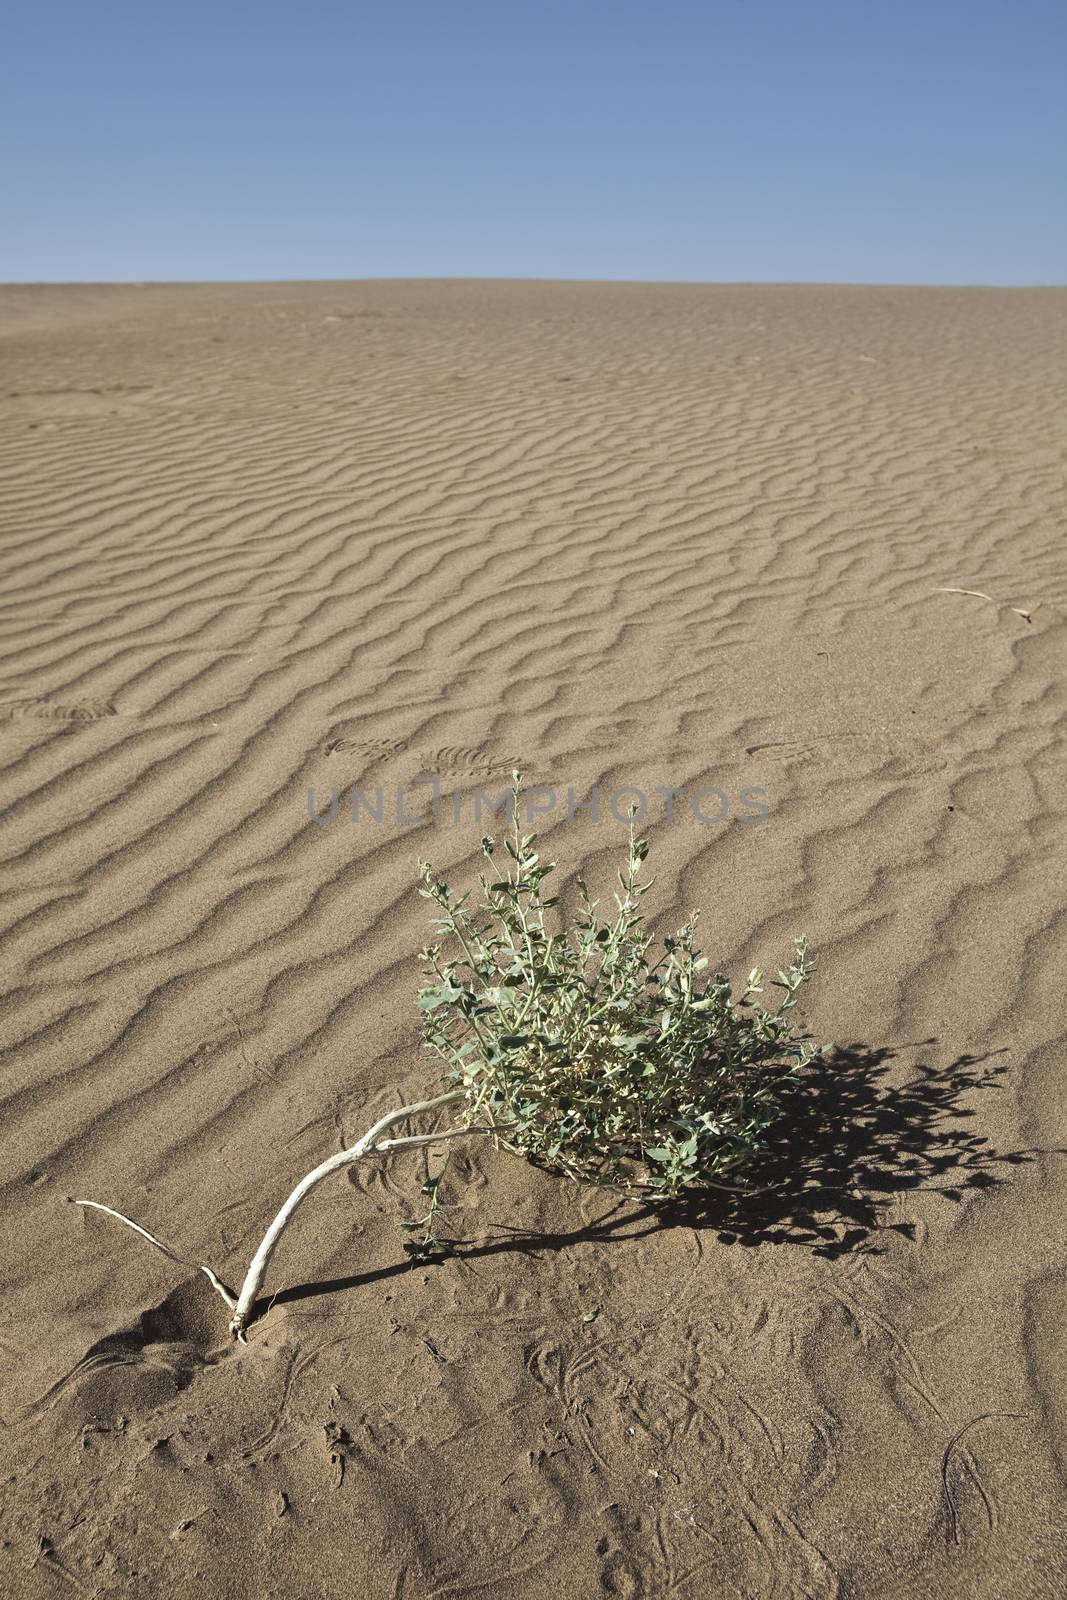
[[257, 1271], [371, 1144]]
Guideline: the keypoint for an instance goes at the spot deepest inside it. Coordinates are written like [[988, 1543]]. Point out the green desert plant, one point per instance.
[[422, 1242], [588, 1049], [582, 1047]]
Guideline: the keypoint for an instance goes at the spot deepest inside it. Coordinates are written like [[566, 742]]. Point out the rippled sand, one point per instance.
[[261, 540]]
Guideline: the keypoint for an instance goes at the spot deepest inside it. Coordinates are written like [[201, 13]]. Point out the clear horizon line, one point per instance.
[[680, 283]]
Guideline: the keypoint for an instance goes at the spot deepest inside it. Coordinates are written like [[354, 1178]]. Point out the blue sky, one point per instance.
[[695, 140]]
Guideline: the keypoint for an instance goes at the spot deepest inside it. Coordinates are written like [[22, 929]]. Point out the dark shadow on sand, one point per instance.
[[856, 1130]]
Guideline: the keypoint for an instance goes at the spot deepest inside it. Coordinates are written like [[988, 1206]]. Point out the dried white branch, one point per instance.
[[979, 594], [976, 594], [371, 1144], [413, 1141], [181, 1260], [257, 1271]]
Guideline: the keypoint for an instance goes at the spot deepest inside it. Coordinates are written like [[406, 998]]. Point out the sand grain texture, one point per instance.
[[258, 539]]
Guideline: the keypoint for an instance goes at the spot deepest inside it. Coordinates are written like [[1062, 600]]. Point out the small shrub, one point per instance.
[[587, 1051], [573, 1048]]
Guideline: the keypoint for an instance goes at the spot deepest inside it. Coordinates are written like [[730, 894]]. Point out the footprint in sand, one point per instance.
[[378, 749], [456, 761], [54, 711]]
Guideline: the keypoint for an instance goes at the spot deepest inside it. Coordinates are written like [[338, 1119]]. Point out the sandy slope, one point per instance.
[[258, 539]]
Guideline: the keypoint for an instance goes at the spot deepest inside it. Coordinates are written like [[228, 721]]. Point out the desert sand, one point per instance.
[[266, 539]]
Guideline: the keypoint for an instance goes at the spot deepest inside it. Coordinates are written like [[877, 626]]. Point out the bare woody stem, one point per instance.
[[371, 1143], [257, 1271]]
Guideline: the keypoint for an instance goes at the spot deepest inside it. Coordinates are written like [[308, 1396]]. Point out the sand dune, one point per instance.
[[266, 540]]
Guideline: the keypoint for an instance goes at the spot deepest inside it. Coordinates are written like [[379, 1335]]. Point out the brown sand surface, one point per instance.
[[264, 538]]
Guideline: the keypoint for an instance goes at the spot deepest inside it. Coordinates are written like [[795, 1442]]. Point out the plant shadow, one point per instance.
[[855, 1131]]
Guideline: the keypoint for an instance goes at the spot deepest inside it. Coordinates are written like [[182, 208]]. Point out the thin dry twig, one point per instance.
[[371, 1144], [978, 594], [215, 1282]]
